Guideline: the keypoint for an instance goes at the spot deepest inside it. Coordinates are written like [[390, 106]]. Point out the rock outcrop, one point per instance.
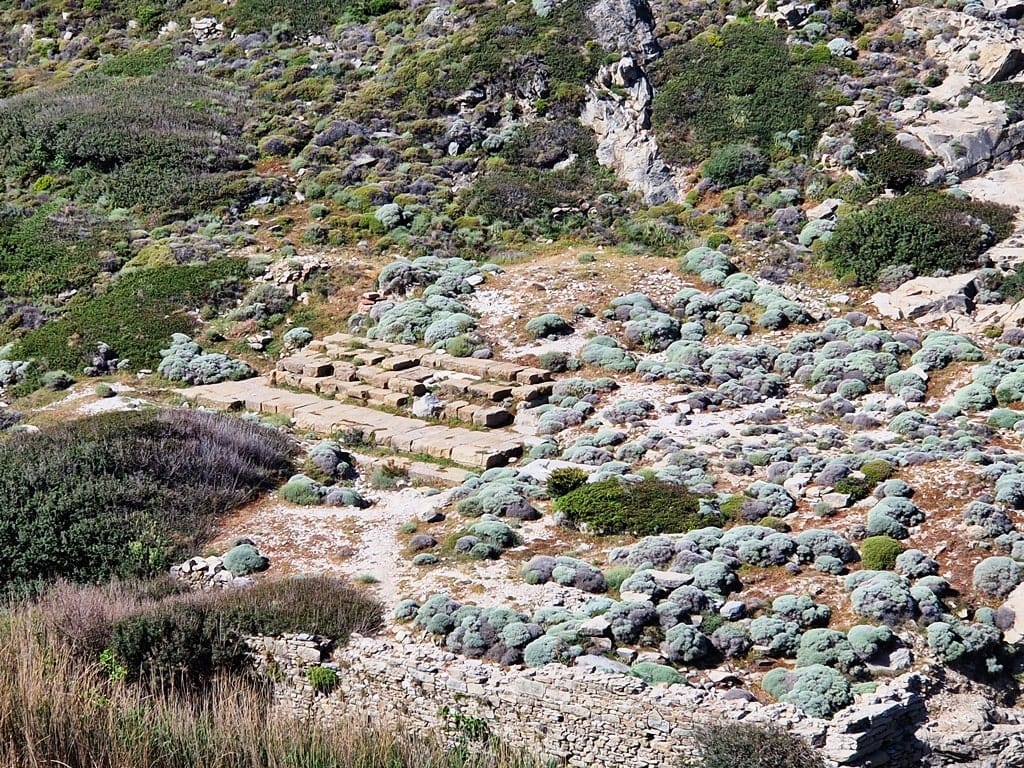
[[618, 105], [984, 51]]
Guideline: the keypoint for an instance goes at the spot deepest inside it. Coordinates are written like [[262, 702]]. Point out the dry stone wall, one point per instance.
[[574, 716]]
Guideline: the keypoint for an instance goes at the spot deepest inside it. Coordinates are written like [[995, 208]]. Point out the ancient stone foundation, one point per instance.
[[574, 716]]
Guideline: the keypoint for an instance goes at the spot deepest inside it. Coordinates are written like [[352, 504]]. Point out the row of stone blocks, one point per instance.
[[377, 397], [483, 449], [389, 356]]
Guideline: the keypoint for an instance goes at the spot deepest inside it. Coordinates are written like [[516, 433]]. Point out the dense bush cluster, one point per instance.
[[135, 317], [926, 230], [644, 508], [741, 83], [184, 640], [124, 494], [165, 140], [185, 361]]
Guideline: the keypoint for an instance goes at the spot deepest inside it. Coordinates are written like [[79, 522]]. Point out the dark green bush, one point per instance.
[[136, 317], [565, 479], [894, 166], [734, 164], [123, 494], [926, 230], [879, 553], [642, 509], [323, 679], [139, 63], [857, 487], [186, 638], [876, 471], [729, 745], [740, 84], [1010, 92]]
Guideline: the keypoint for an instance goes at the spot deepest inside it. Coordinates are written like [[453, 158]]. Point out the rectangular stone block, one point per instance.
[[317, 368], [353, 391], [369, 357], [491, 417], [399, 363], [451, 409], [291, 364], [396, 400], [344, 371], [503, 371], [490, 391], [434, 360], [407, 386], [469, 365], [456, 387], [526, 393], [533, 376]]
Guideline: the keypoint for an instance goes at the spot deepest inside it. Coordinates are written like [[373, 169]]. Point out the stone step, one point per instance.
[[481, 449]]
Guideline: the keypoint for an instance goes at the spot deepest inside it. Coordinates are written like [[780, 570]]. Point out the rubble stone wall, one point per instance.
[[576, 717]]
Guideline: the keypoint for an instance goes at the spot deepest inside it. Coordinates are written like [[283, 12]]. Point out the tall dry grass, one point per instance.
[[58, 708]]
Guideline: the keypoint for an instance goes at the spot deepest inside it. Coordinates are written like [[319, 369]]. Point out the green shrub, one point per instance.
[[123, 494], [731, 744], [186, 638], [135, 317], [165, 140], [876, 471], [1010, 92], [857, 487], [244, 559], [642, 509], [323, 679], [51, 249], [927, 230], [879, 553], [653, 673], [740, 84], [55, 381], [733, 164], [138, 63], [565, 479], [388, 475]]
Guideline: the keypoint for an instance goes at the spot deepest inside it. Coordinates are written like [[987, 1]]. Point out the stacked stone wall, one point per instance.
[[574, 716]]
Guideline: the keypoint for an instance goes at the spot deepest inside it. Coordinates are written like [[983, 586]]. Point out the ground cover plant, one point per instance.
[[123, 494]]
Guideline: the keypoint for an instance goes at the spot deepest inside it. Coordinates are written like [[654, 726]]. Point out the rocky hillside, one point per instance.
[[659, 339]]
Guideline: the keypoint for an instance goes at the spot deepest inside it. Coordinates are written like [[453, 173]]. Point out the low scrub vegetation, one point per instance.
[[726, 745], [740, 84], [642, 509], [304, 15], [136, 317], [164, 140], [59, 706], [122, 494], [925, 230]]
